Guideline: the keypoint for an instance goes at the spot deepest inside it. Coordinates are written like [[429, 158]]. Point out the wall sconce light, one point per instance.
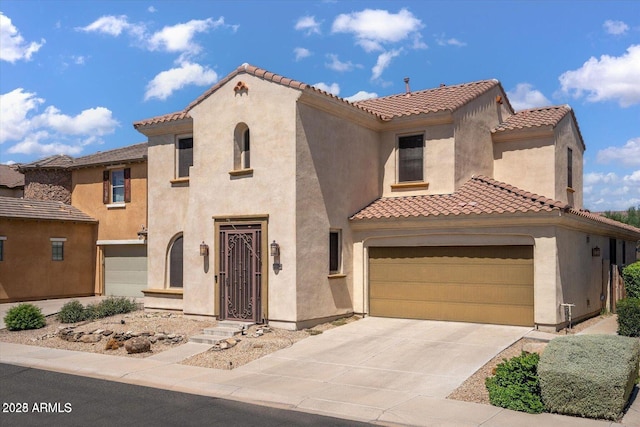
[[142, 234], [595, 251], [275, 249], [204, 249], [275, 253]]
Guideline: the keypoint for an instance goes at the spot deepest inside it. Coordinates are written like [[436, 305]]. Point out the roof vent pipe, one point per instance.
[[406, 85]]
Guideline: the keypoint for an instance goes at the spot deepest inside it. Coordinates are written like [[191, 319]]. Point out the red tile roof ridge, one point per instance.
[[523, 193]]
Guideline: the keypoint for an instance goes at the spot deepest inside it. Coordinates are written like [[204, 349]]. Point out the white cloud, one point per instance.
[[337, 65], [301, 53], [361, 96], [308, 24], [179, 37], [333, 88], [50, 132], [607, 78], [615, 27], [12, 45], [634, 178], [525, 96], [152, 9], [384, 60], [628, 155], [166, 82], [112, 25], [607, 191], [442, 40], [595, 178], [375, 28]]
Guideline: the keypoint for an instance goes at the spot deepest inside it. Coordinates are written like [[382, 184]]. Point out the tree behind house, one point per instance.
[[631, 216]]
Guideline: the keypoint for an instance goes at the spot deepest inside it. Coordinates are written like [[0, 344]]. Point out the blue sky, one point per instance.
[[75, 75]]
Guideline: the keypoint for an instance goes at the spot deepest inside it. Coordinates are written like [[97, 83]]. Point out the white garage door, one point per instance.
[[125, 270]]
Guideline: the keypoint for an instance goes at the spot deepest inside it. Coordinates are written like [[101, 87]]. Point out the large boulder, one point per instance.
[[138, 345]]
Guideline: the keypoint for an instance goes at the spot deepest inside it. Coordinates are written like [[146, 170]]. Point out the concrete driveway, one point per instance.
[[377, 362]]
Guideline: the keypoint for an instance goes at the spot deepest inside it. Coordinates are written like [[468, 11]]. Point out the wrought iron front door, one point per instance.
[[241, 271]]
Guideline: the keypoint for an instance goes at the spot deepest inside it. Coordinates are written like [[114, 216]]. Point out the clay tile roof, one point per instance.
[[58, 161], [11, 207], [131, 153], [10, 177], [444, 98], [479, 195], [171, 117], [535, 117]]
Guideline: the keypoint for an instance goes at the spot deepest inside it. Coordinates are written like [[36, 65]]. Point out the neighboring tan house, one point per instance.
[[11, 181], [110, 186], [271, 200], [47, 250]]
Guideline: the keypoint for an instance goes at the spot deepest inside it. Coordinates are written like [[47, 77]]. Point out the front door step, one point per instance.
[[223, 330]]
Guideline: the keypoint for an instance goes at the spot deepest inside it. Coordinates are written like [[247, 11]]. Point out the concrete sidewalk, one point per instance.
[[313, 376]]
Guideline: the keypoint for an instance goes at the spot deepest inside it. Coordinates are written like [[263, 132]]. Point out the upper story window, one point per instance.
[[410, 158], [176, 263], [185, 156], [116, 186], [569, 168], [335, 252], [242, 147], [2, 239]]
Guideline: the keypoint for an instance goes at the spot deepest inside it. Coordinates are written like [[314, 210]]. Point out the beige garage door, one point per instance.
[[125, 270], [483, 284]]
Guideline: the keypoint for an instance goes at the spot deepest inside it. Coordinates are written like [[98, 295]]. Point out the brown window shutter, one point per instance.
[[105, 187], [127, 185]]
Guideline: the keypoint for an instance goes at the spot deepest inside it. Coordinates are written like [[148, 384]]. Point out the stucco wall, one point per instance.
[[27, 271], [527, 163], [337, 174], [566, 136], [116, 223]]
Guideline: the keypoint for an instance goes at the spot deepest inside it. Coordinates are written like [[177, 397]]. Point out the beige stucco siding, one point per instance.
[[526, 164], [472, 129], [28, 243], [566, 137], [337, 174]]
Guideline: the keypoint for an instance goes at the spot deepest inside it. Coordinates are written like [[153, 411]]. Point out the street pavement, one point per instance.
[[381, 371]]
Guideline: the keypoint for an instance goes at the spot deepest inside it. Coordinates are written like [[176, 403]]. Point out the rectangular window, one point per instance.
[[246, 153], [116, 186], [335, 253], [57, 250], [2, 239], [569, 168], [185, 156], [410, 158]]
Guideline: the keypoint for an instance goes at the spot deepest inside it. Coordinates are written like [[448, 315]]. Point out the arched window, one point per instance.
[[176, 263], [241, 147]]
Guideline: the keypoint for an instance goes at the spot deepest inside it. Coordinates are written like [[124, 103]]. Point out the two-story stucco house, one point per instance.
[[272, 200], [95, 209]]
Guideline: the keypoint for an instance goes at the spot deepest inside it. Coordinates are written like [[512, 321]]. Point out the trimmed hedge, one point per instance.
[[631, 276], [628, 310], [74, 311], [589, 375], [24, 316], [516, 385]]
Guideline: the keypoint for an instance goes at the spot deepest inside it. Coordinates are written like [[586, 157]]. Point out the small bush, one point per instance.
[[589, 375], [72, 312], [112, 305], [516, 385], [24, 316], [631, 276], [628, 310]]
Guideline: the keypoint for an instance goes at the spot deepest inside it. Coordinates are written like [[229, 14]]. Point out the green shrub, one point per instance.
[[516, 385], [628, 310], [589, 375], [24, 316], [72, 312], [112, 305], [631, 276]]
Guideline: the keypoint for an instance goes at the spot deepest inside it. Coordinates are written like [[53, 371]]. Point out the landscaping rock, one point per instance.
[[113, 344], [534, 347], [138, 345], [90, 338]]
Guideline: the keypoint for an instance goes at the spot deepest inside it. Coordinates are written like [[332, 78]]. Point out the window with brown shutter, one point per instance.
[[127, 185], [106, 187]]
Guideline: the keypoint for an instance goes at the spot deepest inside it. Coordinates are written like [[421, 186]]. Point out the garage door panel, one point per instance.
[[125, 270], [480, 284]]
